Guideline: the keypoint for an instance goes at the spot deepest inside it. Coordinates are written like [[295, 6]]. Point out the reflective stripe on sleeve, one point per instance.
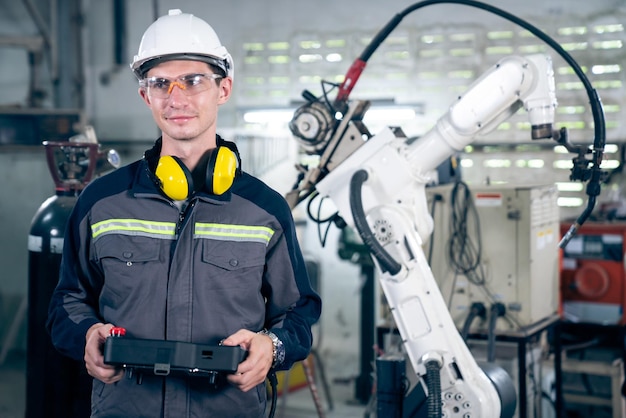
[[136, 227], [226, 232]]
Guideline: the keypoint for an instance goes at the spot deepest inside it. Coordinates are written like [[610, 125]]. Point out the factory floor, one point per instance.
[[298, 403]]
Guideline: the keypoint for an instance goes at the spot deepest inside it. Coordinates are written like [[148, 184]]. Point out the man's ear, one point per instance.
[[144, 95], [226, 88]]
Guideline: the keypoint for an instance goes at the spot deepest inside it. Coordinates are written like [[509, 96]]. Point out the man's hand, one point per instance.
[[253, 370], [94, 359]]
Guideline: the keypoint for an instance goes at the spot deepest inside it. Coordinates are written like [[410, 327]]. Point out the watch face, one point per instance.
[[280, 352], [279, 348]]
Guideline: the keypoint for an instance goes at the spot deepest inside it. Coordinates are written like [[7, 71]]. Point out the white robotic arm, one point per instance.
[[498, 94], [378, 185]]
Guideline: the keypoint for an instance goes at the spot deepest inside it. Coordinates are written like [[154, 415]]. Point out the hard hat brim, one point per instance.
[[141, 69]]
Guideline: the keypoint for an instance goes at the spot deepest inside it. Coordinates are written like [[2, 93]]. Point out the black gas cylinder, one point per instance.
[[56, 385]]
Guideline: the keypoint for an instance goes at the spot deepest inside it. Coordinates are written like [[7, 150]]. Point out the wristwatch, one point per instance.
[[279, 348]]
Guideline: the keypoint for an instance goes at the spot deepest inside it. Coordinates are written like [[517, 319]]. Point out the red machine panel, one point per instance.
[[592, 278]]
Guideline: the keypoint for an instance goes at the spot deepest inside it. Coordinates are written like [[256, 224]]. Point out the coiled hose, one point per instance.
[[434, 388]]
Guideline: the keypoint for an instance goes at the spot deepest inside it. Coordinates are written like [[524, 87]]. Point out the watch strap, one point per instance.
[[278, 354]]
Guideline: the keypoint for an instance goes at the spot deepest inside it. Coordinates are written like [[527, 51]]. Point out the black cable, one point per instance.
[[274, 385], [318, 220], [325, 93], [434, 388], [310, 213], [477, 310], [323, 237], [465, 248], [386, 261], [593, 176], [436, 198], [596, 105], [497, 310], [461, 246]]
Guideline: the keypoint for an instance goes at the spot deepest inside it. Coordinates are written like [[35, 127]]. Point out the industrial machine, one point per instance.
[[496, 244], [377, 183], [593, 276]]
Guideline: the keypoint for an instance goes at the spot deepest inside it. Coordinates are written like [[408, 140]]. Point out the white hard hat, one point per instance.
[[180, 36]]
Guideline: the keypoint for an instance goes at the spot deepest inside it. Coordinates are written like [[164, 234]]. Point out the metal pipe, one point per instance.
[[53, 42], [119, 36]]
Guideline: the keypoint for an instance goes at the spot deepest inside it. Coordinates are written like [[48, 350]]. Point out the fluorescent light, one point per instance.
[[382, 114], [266, 117], [571, 202], [569, 187]]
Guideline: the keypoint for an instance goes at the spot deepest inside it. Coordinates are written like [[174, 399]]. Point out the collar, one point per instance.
[[148, 182], [152, 155]]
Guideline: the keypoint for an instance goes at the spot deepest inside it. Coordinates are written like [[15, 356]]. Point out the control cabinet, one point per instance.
[[514, 232]]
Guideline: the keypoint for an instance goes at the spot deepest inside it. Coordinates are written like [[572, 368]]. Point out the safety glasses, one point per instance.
[[189, 84]]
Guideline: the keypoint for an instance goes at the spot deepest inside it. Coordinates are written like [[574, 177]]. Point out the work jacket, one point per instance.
[[198, 274]]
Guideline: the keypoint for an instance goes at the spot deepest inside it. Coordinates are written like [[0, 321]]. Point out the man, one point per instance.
[[183, 245]]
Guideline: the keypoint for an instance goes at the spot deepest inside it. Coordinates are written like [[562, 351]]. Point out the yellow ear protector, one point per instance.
[[174, 177], [221, 170], [177, 181]]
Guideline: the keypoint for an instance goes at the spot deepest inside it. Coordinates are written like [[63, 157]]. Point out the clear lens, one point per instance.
[[189, 84]]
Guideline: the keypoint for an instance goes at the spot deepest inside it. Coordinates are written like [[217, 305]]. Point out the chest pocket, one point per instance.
[[127, 249], [232, 264], [127, 261]]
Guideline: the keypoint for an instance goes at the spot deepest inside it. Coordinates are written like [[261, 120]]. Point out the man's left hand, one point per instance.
[[253, 370]]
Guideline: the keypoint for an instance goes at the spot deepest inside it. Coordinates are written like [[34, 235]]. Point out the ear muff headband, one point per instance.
[[221, 170], [174, 177]]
